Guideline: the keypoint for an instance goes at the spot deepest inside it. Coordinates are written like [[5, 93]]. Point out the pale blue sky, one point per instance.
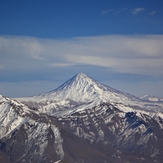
[[43, 43]]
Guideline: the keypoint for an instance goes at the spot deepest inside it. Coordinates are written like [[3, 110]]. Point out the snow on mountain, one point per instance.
[[30, 130], [151, 98], [107, 124], [82, 92], [13, 115], [27, 135], [83, 88], [81, 121]]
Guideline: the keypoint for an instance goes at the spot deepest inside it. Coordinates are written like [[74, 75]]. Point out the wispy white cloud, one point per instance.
[[121, 11], [152, 13], [136, 11], [127, 54], [61, 64], [104, 12]]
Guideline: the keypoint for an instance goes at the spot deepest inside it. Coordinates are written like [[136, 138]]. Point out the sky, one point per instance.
[[43, 43]]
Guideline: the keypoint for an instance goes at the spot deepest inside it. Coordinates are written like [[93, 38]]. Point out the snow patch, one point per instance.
[[58, 142]]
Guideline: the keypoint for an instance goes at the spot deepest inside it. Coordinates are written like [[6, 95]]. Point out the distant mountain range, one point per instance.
[[81, 121], [151, 98]]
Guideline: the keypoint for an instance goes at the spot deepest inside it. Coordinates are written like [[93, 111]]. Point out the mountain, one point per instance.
[[27, 135], [82, 92], [81, 121], [86, 89], [83, 88], [151, 98]]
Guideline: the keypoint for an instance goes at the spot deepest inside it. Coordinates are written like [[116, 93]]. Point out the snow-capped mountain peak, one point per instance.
[[82, 90], [78, 87], [79, 81], [85, 89]]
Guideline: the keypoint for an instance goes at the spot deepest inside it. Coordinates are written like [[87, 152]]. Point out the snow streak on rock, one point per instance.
[[58, 142]]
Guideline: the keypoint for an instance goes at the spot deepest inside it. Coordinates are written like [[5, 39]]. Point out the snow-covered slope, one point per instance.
[[81, 121], [85, 89], [24, 134], [151, 98], [82, 92]]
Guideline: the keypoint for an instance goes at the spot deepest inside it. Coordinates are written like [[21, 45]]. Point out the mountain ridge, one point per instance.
[[87, 122]]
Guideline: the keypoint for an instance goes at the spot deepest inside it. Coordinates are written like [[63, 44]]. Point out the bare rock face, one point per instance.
[[81, 121]]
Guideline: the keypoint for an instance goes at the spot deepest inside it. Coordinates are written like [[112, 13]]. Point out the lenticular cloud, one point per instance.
[[128, 54]]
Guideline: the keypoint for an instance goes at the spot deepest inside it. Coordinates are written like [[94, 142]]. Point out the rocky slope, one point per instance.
[[81, 121]]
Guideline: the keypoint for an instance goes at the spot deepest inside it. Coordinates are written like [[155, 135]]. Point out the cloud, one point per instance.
[[136, 11], [105, 12], [124, 54], [121, 11], [152, 13], [61, 64]]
